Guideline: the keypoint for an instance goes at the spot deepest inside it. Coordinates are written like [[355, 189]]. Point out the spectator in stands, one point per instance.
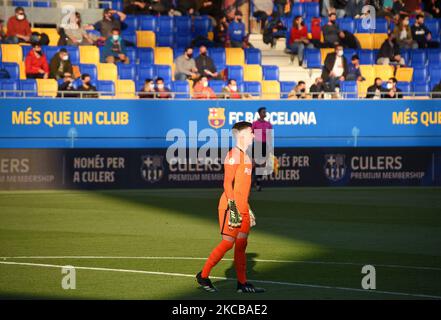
[[275, 29], [412, 7], [114, 49], [390, 52], [109, 23], [335, 68], [2, 32], [331, 32], [221, 32], [86, 86], [298, 39], [433, 7], [392, 92], [60, 65], [354, 8], [354, 73], [76, 33], [230, 91], [376, 91], [210, 8], [66, 89], [318, 89], [162, 92], [148, 90], [280, 5], [185, 66], [19, 28], [236, 31], [201, 90], [436, 91], [422, 35], [187, 7], [299, 91], [338, 7], [205, 64], [263, 9], [398, 8], [403, 34], [138, 7], [36, 63]]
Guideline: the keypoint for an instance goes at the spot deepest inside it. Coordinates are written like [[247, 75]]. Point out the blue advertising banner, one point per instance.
[[89, 123]]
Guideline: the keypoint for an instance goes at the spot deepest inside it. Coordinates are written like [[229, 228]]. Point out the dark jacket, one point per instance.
[[436, 91], [90, 89], [205, 62], [54, 67], [398, 94], [371, 91], [388, 51], [67, 86], [108, 48], [329, 65]]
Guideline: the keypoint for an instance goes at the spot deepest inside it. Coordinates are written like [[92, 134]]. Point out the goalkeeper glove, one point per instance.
[[235, 219], [252, 218]]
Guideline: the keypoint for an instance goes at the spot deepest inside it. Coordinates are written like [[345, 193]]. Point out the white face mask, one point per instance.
[[389, 85], [233, 88], [151, 86], [20, 16], [340, 53], [160, 86], [65, 57], [115, 37], [205, 84]]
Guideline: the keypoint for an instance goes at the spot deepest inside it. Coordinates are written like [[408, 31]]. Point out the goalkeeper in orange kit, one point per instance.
[[235, 215]]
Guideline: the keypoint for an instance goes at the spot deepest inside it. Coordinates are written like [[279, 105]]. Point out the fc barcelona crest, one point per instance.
[[216, 117], [335, 167]]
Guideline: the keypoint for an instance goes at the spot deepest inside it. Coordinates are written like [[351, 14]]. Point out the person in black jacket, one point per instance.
[[335, 68], [376, 91], [205, 65], [86, 86], [421, 34], [67, 89], [392, 91], [436, 91], [390, 52]]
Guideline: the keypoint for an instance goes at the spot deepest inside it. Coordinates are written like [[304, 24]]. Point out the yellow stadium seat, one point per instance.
[[125, 89], [47, 87], [368, 72], [366, 40], [235, 56], [384, 72], [12, 53], [379, 38], [22, 68], [324, 52], [362, 87], [252, 72], [270, 90], [404, 74], [53, 35], [89, 54], [164, 55], [107, 71], [145, 39], [210, 35]]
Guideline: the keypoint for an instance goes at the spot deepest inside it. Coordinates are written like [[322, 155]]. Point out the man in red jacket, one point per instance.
[[36, 63], [19, 28]]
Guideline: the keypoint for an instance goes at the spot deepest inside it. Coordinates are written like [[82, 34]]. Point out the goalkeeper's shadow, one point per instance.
[[251, 264]]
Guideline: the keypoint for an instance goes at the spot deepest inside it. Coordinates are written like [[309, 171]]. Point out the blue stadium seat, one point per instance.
[[218, 56], [9, 88], [183, 25], [253, 56], [105, 87], [25, 50], [217, 85], [347, 24], [350, 88], [348, 53], [235, 72], [433, 84], [201, 25], [366, 56], [117, 5], [182, 88], [129, 38], [42, 4], [286, 87], [89, 69], [131, 54], [50, 51], [418, 58], [145, 56], [21, 3], [405, 54], [435, 73], [74, 54], [381, 26], [420, 74], [253, 87], [404, 86], [147, 22], [297, 9], [145, 72], [183, 41], [313, 58], [434, 57], [139, 85], [13, 69], [311, 9], [130, 23], [126, 71], [434, 26], [270, 73], [163, 71], [177, 52], [29, 87], [361, 28], [164, 40], [165, 25], [420, 88]]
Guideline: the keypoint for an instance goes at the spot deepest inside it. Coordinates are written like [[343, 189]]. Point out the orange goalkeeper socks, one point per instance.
[[240, 259], [216, 255]]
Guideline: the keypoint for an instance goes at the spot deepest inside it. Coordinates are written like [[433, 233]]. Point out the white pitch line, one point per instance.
[[173, 274], [227, 259]]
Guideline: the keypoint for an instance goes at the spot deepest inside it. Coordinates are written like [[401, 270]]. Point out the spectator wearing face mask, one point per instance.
[[335, 68], [403, 34], [66, 89], [390, 52], [354, 73], [76, 33], [422, 35], [332, 34], [36, 63], [201, 90], [299, 91], [231, 91], [86, 86], [392, 91], [318, 89], [109, 23], [148, 90], [298, 39], [19, 28], [162, 92], [205, 64], [186, 66], [236, 31], [114, 49], [60, 65], [376, 91]]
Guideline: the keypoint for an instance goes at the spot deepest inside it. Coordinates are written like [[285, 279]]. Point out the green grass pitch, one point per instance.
[[309, 243]]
